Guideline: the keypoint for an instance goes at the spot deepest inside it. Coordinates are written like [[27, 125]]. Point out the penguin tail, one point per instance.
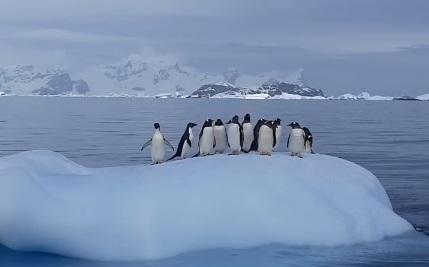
[[196, 155]]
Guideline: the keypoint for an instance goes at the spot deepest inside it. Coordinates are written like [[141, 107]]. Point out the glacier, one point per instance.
[[48, 203]]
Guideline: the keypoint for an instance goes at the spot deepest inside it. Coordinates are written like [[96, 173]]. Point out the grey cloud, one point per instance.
[[342, 44]]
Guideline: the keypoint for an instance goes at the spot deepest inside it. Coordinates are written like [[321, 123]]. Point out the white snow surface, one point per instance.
[[424, 97], [49, 203], [362, 96]]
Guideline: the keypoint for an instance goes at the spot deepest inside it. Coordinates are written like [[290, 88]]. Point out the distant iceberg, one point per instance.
[[49, 203]]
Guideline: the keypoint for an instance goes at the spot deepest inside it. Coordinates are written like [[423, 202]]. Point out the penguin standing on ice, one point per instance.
[[185, 142], [279, 132], [267, 138], [235, 135], [254, 146], [247, 133], [206, 139], [220, 137], [157, 143], [308, 140], [295, 142]]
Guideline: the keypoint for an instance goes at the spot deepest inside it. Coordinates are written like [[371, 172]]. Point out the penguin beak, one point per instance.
[[228, 122], [290, 124]]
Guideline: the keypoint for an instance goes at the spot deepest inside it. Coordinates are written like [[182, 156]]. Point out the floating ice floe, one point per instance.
[[51, 204]]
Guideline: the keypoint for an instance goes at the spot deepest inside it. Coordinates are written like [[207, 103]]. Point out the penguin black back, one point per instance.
[[185, 138], [308, 136], [258, 125]]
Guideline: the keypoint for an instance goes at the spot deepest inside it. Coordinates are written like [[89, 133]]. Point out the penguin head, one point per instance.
[[246, 118], [234, 119], [156, 126], [294, 125], [278, 121], [218, 122], [191, 124], [208, 123]]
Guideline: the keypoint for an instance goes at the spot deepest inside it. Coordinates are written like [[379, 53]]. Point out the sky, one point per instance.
[[380, 46]]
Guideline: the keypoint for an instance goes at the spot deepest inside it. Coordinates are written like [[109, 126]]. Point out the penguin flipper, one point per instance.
[[168, 144], [274, 137], [146, 144], [288, 141], [189, 142]]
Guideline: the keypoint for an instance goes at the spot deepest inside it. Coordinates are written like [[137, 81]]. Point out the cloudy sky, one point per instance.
[[381, 46]]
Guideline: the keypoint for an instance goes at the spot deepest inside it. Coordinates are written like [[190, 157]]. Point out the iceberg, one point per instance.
[[48, 203]]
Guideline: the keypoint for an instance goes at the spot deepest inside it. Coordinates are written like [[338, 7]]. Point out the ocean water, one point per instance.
[[390, 138]]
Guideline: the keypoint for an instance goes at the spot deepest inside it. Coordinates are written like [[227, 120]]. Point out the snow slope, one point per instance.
[[49, 203]]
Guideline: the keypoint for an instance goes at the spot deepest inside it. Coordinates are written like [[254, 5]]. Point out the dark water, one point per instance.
[[389, 138]]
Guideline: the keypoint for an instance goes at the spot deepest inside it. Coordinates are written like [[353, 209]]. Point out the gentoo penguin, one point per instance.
[[206, 139], [279, 132], [267, 138], [247, 133], [295, 141], [254, 146], [185, 142], [219, 131], [235, 135], [157, 143], [308, 140]]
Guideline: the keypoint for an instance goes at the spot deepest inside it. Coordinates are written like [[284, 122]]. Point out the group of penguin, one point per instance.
[[215, 136]]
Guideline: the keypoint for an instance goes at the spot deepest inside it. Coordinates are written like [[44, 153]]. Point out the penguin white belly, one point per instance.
[[206, 141], [220, 138], [247, 136], [307, 147], [234, 138], [296, 141], [278, 136], [185, 150], [186, 146], [157, 148], [266, 140]]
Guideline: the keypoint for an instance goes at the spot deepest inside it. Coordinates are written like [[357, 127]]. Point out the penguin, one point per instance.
[[267, 138], [206, 139], [295, 141], [235, 135], [220, 137], [157, 142], [279, 132], [247, 133], [254, 146], [308, 140], [185, 142]]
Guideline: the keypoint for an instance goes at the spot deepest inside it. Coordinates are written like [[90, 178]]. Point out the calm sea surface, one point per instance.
[[390, 138]]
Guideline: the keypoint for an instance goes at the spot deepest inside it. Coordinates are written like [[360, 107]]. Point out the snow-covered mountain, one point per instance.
[[162, 76], [269, 89], [29, 80], [138, 76]]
